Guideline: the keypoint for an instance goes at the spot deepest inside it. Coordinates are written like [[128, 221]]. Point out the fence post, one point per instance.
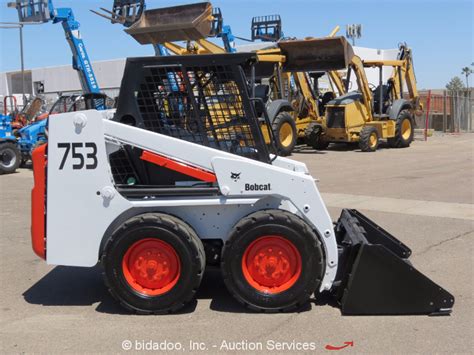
[[445, 114], [428, 103], [469, 110]]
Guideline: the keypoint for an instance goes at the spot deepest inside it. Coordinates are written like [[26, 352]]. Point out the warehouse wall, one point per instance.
[[65, 79]]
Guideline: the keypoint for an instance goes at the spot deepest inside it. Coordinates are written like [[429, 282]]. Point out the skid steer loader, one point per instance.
[[160, 188], [373, 112]]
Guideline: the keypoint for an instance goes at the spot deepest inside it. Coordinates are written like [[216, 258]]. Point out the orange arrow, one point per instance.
[[347, 343]]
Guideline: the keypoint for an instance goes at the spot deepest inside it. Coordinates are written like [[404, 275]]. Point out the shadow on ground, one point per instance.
[[336, 147], [74, 286]]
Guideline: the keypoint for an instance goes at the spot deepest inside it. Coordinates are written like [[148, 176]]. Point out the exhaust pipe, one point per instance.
[[375, 276]]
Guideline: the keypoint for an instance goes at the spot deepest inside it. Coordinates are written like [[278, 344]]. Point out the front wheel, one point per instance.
[[273, 261], [284, 131], [10, 157], [154, 263], [404, 131], [368, 139]]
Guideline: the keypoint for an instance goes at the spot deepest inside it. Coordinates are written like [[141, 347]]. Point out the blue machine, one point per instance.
[[9, 152], [44, 11], [30, 11]]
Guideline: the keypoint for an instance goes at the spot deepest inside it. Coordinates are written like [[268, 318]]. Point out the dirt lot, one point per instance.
[[423, 195]]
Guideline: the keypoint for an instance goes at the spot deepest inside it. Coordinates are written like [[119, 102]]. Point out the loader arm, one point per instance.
[[358, 67]]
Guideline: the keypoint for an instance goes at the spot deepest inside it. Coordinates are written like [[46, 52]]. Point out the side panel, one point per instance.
[[79, 203]]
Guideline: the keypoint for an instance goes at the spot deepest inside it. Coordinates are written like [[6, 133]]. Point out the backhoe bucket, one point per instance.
[[317, 54], [375, 276], [178, 23]]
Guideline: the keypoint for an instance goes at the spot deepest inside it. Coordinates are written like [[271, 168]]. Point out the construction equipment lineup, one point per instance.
[[188, 168]]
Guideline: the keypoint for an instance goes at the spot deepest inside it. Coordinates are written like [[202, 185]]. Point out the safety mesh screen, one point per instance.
[[199, 104], [122, 170]]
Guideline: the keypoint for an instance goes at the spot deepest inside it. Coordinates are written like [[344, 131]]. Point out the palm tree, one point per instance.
[[467, 71]]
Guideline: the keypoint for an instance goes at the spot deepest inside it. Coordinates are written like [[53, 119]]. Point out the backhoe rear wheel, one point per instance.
[[153, 263], [284, 130], [10, 158], [404, 131], [368, 139], [273, 261]]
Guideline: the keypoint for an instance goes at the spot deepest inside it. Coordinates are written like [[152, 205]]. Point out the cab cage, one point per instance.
[[202, 99]]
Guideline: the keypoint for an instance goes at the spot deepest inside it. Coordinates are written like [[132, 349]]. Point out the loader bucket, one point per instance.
[[376, 277], [177, 23], [317, 54]]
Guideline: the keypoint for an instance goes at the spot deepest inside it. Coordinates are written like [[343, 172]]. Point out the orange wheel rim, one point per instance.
[[151, 267], [271, 264]]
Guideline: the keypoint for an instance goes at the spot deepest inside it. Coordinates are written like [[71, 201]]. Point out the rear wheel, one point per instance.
[[284, 130], [153, 263], [404, 131], [273, 261], [10, 158], [368, 139]]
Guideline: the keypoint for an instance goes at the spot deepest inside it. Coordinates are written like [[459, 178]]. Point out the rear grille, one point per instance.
[[335, 117]]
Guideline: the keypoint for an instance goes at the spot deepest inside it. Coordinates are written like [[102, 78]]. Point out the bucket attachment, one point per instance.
[[317, 54], [178, 23], [375, 276], [267, 28], [31, 10]]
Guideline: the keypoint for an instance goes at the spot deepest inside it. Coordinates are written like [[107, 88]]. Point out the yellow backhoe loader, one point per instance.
[[372, 113]]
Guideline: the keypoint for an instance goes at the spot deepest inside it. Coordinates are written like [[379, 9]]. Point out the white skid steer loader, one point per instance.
[[180, 177]]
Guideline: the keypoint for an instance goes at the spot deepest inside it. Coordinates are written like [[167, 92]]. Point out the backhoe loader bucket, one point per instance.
[[318, 54], [177, 23], [375, 276]]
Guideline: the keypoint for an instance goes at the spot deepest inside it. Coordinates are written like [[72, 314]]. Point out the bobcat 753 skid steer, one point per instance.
[[162, 186]]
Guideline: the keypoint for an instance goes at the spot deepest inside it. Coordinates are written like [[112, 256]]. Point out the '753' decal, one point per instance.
[[84, 155]]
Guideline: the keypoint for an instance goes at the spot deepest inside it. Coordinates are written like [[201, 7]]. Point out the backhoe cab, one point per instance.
[[373, 112]]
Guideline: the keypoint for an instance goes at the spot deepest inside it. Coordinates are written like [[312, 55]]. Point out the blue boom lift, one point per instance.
[[42, 11]]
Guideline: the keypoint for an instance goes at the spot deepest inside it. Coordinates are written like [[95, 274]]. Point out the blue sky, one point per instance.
[[439, 31]]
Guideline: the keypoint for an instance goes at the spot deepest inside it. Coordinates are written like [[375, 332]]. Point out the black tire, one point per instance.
[[285, 226], [366, 139], [284, 123], [314, 137], [10, 158], [164, 228], [403, 138]]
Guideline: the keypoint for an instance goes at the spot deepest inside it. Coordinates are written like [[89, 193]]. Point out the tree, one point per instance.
[[466, 71], [455, 84]]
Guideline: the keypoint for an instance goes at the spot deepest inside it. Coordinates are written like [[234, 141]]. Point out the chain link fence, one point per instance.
[[447, 111]]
